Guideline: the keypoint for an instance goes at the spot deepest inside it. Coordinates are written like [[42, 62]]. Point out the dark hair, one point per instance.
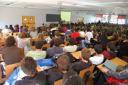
[[98, 48], [71, 42], [10, 41], [72, 78], [29, 65], [38, 44], [112, 47], [58, 42]]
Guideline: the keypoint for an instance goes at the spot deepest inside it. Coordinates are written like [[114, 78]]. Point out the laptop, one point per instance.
[[110, 65]]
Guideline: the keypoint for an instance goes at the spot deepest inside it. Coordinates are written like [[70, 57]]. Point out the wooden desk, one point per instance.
[[116, 61], [77, 54]]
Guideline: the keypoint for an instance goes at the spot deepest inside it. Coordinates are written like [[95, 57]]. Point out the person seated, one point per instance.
[[72, 78], [75, 35], [38, 53], [72, 47], [110, 52], [121, 72], [56, 49], [23, 41], [118, 76], [83, 62], [56, 73], [99, 57], [29, 67], [33, 32], [11, 53]]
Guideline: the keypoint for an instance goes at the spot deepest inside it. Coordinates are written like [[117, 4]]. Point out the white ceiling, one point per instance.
[[67, 4]]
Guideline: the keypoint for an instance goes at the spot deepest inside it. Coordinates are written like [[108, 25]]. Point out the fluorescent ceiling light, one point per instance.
[[34, 1]]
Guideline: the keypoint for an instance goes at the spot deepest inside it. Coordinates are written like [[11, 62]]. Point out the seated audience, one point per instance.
[[33, 33], [23, 41], [11, 53], [38, 53], [121, 72], [29, 67], [99, 57], [72, 47], [56, 49], [83, 62], [72, 78], [110, 52], [56, 73], [118, 77]]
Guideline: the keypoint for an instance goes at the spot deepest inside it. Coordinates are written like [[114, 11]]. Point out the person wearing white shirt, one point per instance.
[[98, 58], [23, 42], [89, 35], [33, 33], [6, 31], [70, 48], [82, 34]]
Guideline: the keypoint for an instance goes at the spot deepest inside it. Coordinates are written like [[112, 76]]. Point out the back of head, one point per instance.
[[72, 78], [28, 65], [58, 42], [25, 82], [98, 48], [10, 41], [63, 62], [85, 53], [112, 47], [38, 44]]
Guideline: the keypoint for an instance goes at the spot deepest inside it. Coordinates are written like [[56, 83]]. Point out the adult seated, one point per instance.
[[110, 52], [71, 47], [99, 57], [38, 53], [56, 73], [120, 76], [23, 41], [33, 77], [56, 49], [83, 62], [27, 74], [72, 78], [11, 53]]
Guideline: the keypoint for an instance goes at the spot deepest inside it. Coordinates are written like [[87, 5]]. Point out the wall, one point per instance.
[[89, 16], [14, 15]]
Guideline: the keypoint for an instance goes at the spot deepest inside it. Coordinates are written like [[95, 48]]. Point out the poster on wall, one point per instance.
[[80, 19], [105, 18], [121, 19], [99, 17], [114, 19]]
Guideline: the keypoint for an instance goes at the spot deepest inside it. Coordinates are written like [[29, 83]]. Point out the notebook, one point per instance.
[[110, 65]]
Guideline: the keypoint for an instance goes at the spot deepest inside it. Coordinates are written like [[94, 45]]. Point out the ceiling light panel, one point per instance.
[[34, 1]]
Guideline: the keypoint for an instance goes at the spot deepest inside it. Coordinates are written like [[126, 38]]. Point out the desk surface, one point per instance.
[[116, 61], [119, 61], [77, 54]]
